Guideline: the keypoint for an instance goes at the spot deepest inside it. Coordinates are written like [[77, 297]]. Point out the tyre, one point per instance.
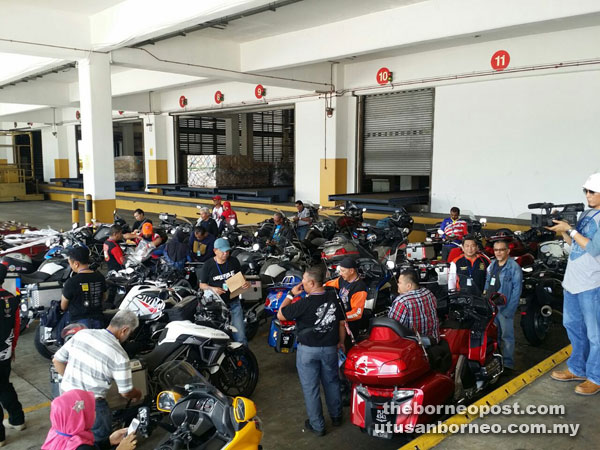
[[238, 374], [535, 326], [44, 350], [23, 327]]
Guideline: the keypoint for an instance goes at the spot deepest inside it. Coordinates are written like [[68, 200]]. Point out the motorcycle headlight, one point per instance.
[[390, 264], [244, 409], [24, 307], [166, 400], [256, 247], [232, 222]]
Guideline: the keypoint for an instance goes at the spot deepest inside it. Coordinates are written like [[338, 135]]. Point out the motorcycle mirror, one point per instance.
[[342, 208], [75, 225], [498, 299], [166, 400], [243, 409]]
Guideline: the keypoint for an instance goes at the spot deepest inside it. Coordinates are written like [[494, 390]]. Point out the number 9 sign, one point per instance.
[[259, 91]]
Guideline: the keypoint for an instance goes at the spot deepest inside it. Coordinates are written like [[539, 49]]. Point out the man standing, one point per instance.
[[83, 293], [468, 271], [207, 222], [505, 276], [581, 309], [321, 331], [302, 220], [415, 307], [214, 275], [92, 359], [352, 292], [217, 210], [10, 324], [113, 253]]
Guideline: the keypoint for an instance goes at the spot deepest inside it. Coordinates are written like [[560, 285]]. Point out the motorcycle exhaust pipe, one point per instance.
[[546, 311]]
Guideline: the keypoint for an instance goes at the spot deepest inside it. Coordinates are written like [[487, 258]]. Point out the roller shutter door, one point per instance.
[[398, 133]]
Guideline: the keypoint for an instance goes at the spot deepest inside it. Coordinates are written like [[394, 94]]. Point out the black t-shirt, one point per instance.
[[211, 226], [321, 314], [10, 306], [216, 275], [84, 292], [137, 225], [476, 272]]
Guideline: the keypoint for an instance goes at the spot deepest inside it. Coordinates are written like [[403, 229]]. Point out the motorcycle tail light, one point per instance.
[[403, 395], [268, 302], [340, 251]]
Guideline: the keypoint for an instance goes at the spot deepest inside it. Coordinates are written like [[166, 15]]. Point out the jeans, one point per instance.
[[581, 318], [103, 424], [237, 320], [9, 399], [316, 366], [302, 231], [506, 336]]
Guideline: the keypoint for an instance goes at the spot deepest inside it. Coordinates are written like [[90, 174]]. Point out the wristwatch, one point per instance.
[[571, 232]]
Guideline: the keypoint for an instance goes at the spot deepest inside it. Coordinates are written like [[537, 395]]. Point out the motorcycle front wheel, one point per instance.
[[238, 374]]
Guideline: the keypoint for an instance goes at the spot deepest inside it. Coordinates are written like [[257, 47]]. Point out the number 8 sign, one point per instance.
[[500, 60]]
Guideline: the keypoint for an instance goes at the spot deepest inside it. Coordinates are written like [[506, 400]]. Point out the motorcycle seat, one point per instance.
[[393, 325], [35, 277], [158, 355]]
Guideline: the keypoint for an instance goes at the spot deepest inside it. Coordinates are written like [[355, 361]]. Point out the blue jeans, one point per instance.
[[506, 337], [302, 231], [103, 424], [316, 366], [237, 320], [581, 318]]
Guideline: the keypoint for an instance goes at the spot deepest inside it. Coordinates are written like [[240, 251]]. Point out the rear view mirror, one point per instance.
[[498, 299]]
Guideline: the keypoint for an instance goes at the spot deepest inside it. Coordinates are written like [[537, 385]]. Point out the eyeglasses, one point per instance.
[[587, 191]]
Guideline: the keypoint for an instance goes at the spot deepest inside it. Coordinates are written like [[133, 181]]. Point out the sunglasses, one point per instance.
[[587, 191]]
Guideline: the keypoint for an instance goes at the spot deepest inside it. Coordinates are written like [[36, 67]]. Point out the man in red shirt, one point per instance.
[[113, 253], [415, 307]]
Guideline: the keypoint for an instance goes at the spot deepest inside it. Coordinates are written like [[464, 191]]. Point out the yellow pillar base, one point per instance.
[[334, 179], [103, 210], [61, 168], [157, 171]]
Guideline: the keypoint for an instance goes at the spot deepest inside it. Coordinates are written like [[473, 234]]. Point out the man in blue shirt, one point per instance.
[[504, 275], [581, 308]]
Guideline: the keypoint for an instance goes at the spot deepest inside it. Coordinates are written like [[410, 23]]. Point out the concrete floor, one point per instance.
[[278, 395]]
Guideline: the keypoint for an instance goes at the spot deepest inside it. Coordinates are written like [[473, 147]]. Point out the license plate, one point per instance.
[[380, 417], [381, 434], [286, 341]]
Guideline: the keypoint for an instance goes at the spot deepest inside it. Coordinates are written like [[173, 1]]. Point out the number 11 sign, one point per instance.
[[500, 60]]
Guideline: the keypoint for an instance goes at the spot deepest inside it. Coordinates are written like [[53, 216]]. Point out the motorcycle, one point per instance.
[[396, 367], [542, 294], [523, 246], [201, 417]]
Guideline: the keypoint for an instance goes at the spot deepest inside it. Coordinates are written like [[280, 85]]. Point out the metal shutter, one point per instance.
[[398, 133]]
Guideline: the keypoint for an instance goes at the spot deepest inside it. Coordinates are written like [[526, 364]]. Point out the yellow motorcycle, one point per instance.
[[203, 418]]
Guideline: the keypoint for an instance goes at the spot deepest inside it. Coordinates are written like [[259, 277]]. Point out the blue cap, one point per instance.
[[222, 244]]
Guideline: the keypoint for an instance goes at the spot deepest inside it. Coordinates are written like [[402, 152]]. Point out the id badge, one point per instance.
[[493, 281], [469, 282], [225, 287]]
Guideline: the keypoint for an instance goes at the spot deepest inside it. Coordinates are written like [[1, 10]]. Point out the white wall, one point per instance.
[[310, 144], [502, 144], [50, 152]]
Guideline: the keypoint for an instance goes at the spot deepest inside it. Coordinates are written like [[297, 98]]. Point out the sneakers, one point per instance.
[[336, 421], [308, 427], [587, 388], [565, 375], [7, 424]]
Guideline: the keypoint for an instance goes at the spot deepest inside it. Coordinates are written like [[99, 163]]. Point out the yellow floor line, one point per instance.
[[430, 440]]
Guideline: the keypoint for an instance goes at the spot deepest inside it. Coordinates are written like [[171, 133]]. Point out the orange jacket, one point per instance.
[[353, 297]]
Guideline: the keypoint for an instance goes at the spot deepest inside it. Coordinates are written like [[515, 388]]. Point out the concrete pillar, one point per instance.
[[50, 148], [69, 136], [232, 135], [97, 134], [156, 135], [170, 148], [128, 142], [247, 135]]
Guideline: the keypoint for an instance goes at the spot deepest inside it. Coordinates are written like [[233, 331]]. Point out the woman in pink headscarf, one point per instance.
[[72, 416]]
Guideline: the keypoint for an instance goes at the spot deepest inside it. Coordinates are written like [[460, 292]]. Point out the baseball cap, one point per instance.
[[217, 197], [348, 263], [147, 228], [222, 244], [593, 182]]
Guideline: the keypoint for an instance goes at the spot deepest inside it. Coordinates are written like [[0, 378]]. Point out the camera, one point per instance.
[[568, 213]]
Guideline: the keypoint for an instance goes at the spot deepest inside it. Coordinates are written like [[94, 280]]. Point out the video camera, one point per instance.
[[568, 213]]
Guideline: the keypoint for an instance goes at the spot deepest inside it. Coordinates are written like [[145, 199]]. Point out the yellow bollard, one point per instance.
[[88, 209], [74, 209]]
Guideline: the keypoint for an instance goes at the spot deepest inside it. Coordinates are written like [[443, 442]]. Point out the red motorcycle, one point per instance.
[[523, 246], [395, 375]]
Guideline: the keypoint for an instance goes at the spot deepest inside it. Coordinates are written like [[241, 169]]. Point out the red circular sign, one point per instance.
[[259, 91], [77, 115], [500, 60], [219, 97], [383, 75], [182, 101]]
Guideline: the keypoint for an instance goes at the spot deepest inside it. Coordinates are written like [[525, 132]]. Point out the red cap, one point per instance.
[[217, 197]]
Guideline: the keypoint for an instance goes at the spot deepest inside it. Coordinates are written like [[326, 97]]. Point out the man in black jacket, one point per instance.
[[9, 334]]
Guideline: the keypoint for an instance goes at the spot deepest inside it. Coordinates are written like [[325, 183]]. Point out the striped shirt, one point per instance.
[[417, 310], [94, 359]]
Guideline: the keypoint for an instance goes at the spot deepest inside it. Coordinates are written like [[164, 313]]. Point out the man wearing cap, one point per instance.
[[217, 210], [10, 324], [214, 275], [581, 309], [207, 222], [352, 291]]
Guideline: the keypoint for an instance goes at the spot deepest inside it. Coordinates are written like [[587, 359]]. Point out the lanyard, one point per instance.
[[219, 268], [111, 333], [585, 221]]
